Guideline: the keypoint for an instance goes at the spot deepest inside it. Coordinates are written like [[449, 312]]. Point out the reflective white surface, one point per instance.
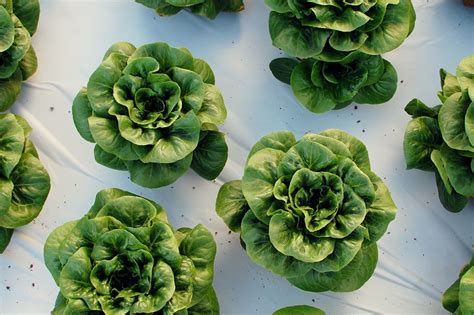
[[421, 254]]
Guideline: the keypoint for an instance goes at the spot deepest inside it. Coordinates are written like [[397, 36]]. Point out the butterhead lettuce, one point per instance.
[[153, 111], [18, 22], [310, 210], [441, 139], [24, 182], [337, 45], [124, 257]]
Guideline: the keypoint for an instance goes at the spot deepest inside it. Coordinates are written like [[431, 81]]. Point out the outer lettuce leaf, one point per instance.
[[282, 68], [198, 245], [396, 26], [28, 202], [279, 140], [350, 278], [5, 237], [452, 201], [293, 38], [231, 205], [29, 63], [12, 142], [207, 306], [465, 75], [210, 156], [422, 136], [8, 29], [154, 175], [417, 108], [452, 116], [51, 249], [466, 292], [382, 210], [459, 171], [381, 91]]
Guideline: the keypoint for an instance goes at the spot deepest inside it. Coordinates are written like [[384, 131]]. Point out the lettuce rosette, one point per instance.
[[24, 182], [310, 210], [322, 86], [153, 111], [441, 139], [205, 8], [18, 62], [124, 257], [337, 45], [459, 297]]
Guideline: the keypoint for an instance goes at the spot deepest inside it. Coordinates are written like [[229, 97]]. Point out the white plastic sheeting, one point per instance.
[[425, 246]]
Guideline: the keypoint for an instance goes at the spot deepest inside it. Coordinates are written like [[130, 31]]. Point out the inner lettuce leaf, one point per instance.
[[153, 111], [441, 139], [206, 8], [310, 210], [18, 62], [24, 182], [124, 257]]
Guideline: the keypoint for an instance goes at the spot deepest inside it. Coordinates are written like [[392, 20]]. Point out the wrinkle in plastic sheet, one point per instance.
[[425, 246]]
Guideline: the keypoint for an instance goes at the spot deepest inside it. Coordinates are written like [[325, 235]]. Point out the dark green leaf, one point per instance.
[[453, 202], [350, 278], [417, 108], [28, 12], [381, 91], [282, 68], [200, 247], [108, 160], [154, 175], [5, 237], [422, 136], [31, 187], [29, 64], [295, 39], [81, 111], [9, 90], [231, 205], [261, 251], [210, 156], [12, 141], [208, 305]]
